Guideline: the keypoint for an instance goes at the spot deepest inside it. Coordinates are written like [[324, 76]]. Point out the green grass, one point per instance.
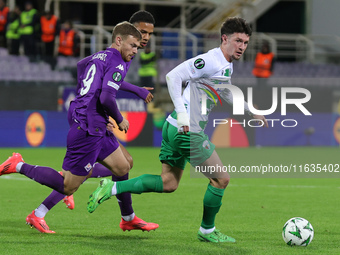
[[253, 211]]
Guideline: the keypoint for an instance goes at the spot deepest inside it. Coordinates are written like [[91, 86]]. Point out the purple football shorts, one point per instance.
[[83, 150]]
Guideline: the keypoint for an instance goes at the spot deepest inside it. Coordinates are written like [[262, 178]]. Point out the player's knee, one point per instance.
[[123, 169], [120, 168], [68, 191]]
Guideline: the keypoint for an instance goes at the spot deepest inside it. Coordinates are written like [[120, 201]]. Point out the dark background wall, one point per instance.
[[284, 17], [29, 96]]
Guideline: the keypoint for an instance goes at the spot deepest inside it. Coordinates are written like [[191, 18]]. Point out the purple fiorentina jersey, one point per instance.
[[81, 65], [103, 71]]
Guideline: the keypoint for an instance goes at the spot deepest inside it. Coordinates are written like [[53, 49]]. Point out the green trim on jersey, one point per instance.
[[174, 115], [178, 149]]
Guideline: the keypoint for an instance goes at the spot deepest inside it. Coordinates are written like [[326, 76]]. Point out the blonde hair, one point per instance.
[[125, 29]]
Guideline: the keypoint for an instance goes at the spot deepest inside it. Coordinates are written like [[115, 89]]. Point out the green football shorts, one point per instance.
[[178, 149]]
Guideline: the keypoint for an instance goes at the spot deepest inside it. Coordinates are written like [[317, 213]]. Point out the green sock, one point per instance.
[[211, 206], [143, 183]]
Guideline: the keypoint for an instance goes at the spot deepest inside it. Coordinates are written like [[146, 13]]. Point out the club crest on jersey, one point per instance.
[[226, 72], [206, 145], [120, 67], [116, 76], [88, 167], [199, 63]]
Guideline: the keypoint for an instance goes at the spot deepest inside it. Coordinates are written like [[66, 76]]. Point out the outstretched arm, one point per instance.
[[143, 93]]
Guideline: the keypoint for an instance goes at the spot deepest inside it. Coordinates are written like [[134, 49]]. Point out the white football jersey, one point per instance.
[[206, 73]]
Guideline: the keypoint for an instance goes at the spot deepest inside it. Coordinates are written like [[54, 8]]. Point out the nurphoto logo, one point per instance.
[[238, 105]]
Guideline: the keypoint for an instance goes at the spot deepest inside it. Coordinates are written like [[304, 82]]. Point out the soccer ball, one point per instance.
[[297, 231]]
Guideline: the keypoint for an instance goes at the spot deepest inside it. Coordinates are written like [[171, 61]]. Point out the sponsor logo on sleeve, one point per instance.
[[192, 68], [113, 85]]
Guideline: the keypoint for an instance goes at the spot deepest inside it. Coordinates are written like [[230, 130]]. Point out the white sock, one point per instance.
[[207, 231], [114, 190], [129, 217], [18, 167], [41, 211]]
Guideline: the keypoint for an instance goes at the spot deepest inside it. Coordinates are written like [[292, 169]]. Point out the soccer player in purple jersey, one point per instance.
[[144, 22], [88, 140]]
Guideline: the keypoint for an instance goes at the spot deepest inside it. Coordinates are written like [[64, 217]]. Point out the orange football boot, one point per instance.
[[8, 167], [38, 223], [137, 224]]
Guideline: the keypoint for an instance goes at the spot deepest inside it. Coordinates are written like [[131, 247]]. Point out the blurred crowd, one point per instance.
[[35, 35]]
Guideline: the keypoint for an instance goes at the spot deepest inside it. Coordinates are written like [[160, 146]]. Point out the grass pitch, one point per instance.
[[253, 211]]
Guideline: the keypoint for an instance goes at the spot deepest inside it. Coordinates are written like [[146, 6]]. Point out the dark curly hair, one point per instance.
[[235, 25], [142, 16]]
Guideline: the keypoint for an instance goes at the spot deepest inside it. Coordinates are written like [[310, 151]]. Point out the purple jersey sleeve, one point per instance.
[[112, 81], [110, 106], [125, 86], [141, 92]]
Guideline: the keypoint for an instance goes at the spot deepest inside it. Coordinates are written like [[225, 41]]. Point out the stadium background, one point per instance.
[[302, 34]]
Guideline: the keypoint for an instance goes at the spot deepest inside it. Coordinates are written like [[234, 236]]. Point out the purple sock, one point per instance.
[[124, 199], [44, 175], [100, 171], [54, 198]]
